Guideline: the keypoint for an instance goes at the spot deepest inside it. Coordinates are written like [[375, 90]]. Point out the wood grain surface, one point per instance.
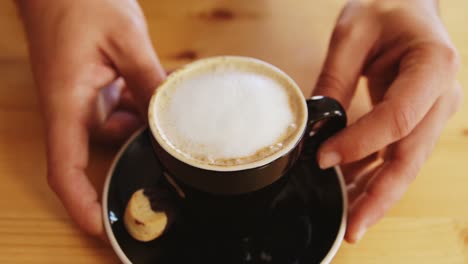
[[429, 225]]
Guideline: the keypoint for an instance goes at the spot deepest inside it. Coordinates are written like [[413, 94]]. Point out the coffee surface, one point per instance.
[[227, 115]]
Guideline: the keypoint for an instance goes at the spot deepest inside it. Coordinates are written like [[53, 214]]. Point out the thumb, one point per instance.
[[350, 45], [67, 159], [137, 62]]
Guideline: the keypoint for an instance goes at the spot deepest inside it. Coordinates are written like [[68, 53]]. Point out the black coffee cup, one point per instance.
[[244, 195]]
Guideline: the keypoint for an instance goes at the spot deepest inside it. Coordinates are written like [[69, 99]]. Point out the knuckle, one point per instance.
[[452, 57], [134, 28], [131, 24], [447, 54], [403, 119]]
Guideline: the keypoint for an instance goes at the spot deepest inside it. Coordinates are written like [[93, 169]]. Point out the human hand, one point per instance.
[[84, 55], [410, 64]]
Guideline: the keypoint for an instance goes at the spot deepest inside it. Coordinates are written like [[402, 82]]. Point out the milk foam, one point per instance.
[[227, 115]]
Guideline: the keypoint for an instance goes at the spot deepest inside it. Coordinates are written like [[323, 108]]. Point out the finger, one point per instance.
[[350, 45], [136, 60], [119, 126], [382, 71], [393, 178], [127, 102], [117, 115], [67, 142], [113, 96], [423, 77], [107, 99], [356, 187], [354, 170]]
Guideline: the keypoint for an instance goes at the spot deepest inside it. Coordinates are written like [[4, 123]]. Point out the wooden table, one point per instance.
[[430, 225]]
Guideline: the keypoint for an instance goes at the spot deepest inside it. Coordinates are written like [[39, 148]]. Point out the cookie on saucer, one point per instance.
[[141, 221]]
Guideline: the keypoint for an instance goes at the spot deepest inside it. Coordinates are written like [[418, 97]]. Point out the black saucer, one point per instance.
[[308, 227]]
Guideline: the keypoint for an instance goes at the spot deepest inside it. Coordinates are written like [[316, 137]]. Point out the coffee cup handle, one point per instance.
[[325, 117]]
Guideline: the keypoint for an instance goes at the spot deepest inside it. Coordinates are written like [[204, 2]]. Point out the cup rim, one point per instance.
[[155, 131], [123, 257]]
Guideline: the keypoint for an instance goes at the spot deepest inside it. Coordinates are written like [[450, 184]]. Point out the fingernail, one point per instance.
[[360, 234], [329, 159]]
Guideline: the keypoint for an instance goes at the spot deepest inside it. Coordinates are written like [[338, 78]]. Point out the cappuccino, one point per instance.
[[227, 113]]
